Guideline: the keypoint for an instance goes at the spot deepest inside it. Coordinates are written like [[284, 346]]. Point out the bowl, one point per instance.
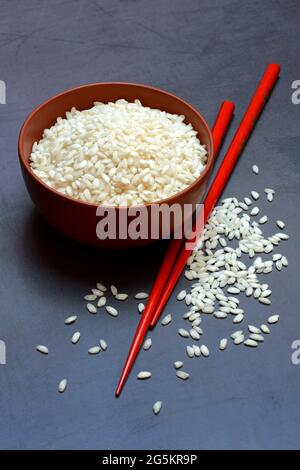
[[78, 219]]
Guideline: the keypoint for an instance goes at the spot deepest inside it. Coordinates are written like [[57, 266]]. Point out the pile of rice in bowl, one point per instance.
[[119, 154]]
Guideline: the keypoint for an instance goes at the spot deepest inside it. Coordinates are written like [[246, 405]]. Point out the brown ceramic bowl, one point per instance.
[[78, 219]]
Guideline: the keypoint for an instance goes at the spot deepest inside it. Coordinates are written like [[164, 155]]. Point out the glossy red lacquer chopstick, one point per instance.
[[251, 115], [219, 129]]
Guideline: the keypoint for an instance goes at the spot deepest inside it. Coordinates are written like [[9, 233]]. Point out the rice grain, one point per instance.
[[147, 344], [112, 311], [166, 320], [62, 385], [273, 319], [182, 375], [157, 407], [91, 308], [144, 375], [75, 337], [42, 349], [141, 295], [94, 350], [70, 320]]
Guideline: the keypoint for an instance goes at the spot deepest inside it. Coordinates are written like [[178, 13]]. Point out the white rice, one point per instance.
[[119, 153]]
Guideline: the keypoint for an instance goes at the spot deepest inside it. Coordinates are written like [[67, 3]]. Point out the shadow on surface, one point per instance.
[[73, 260]]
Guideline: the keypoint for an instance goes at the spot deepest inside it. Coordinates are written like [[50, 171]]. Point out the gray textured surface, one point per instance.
[[204, 51]]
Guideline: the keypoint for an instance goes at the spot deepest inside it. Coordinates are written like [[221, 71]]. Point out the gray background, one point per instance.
[[204, 51]]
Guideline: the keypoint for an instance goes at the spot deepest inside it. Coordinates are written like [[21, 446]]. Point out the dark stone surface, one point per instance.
[[204, 51]]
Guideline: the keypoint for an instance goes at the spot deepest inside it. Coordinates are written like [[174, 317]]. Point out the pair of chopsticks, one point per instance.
[[219, 130], [178, 253]]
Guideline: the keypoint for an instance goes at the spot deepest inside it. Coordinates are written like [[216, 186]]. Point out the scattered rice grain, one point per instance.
[[166, 320], [42, 349], [75, 337], [147, 344], [91, 308], [94, 350], [143, 375], [182, 375], [112, 311], [157, 407], [223, 344], [70, 320], [62, 385], [141, 295], [273, 319]]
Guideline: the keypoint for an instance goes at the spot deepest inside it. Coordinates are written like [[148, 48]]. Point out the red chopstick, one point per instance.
[[250, 117], [219, 129]]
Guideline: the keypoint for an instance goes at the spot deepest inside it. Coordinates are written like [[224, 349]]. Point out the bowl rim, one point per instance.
[[169, 200]]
